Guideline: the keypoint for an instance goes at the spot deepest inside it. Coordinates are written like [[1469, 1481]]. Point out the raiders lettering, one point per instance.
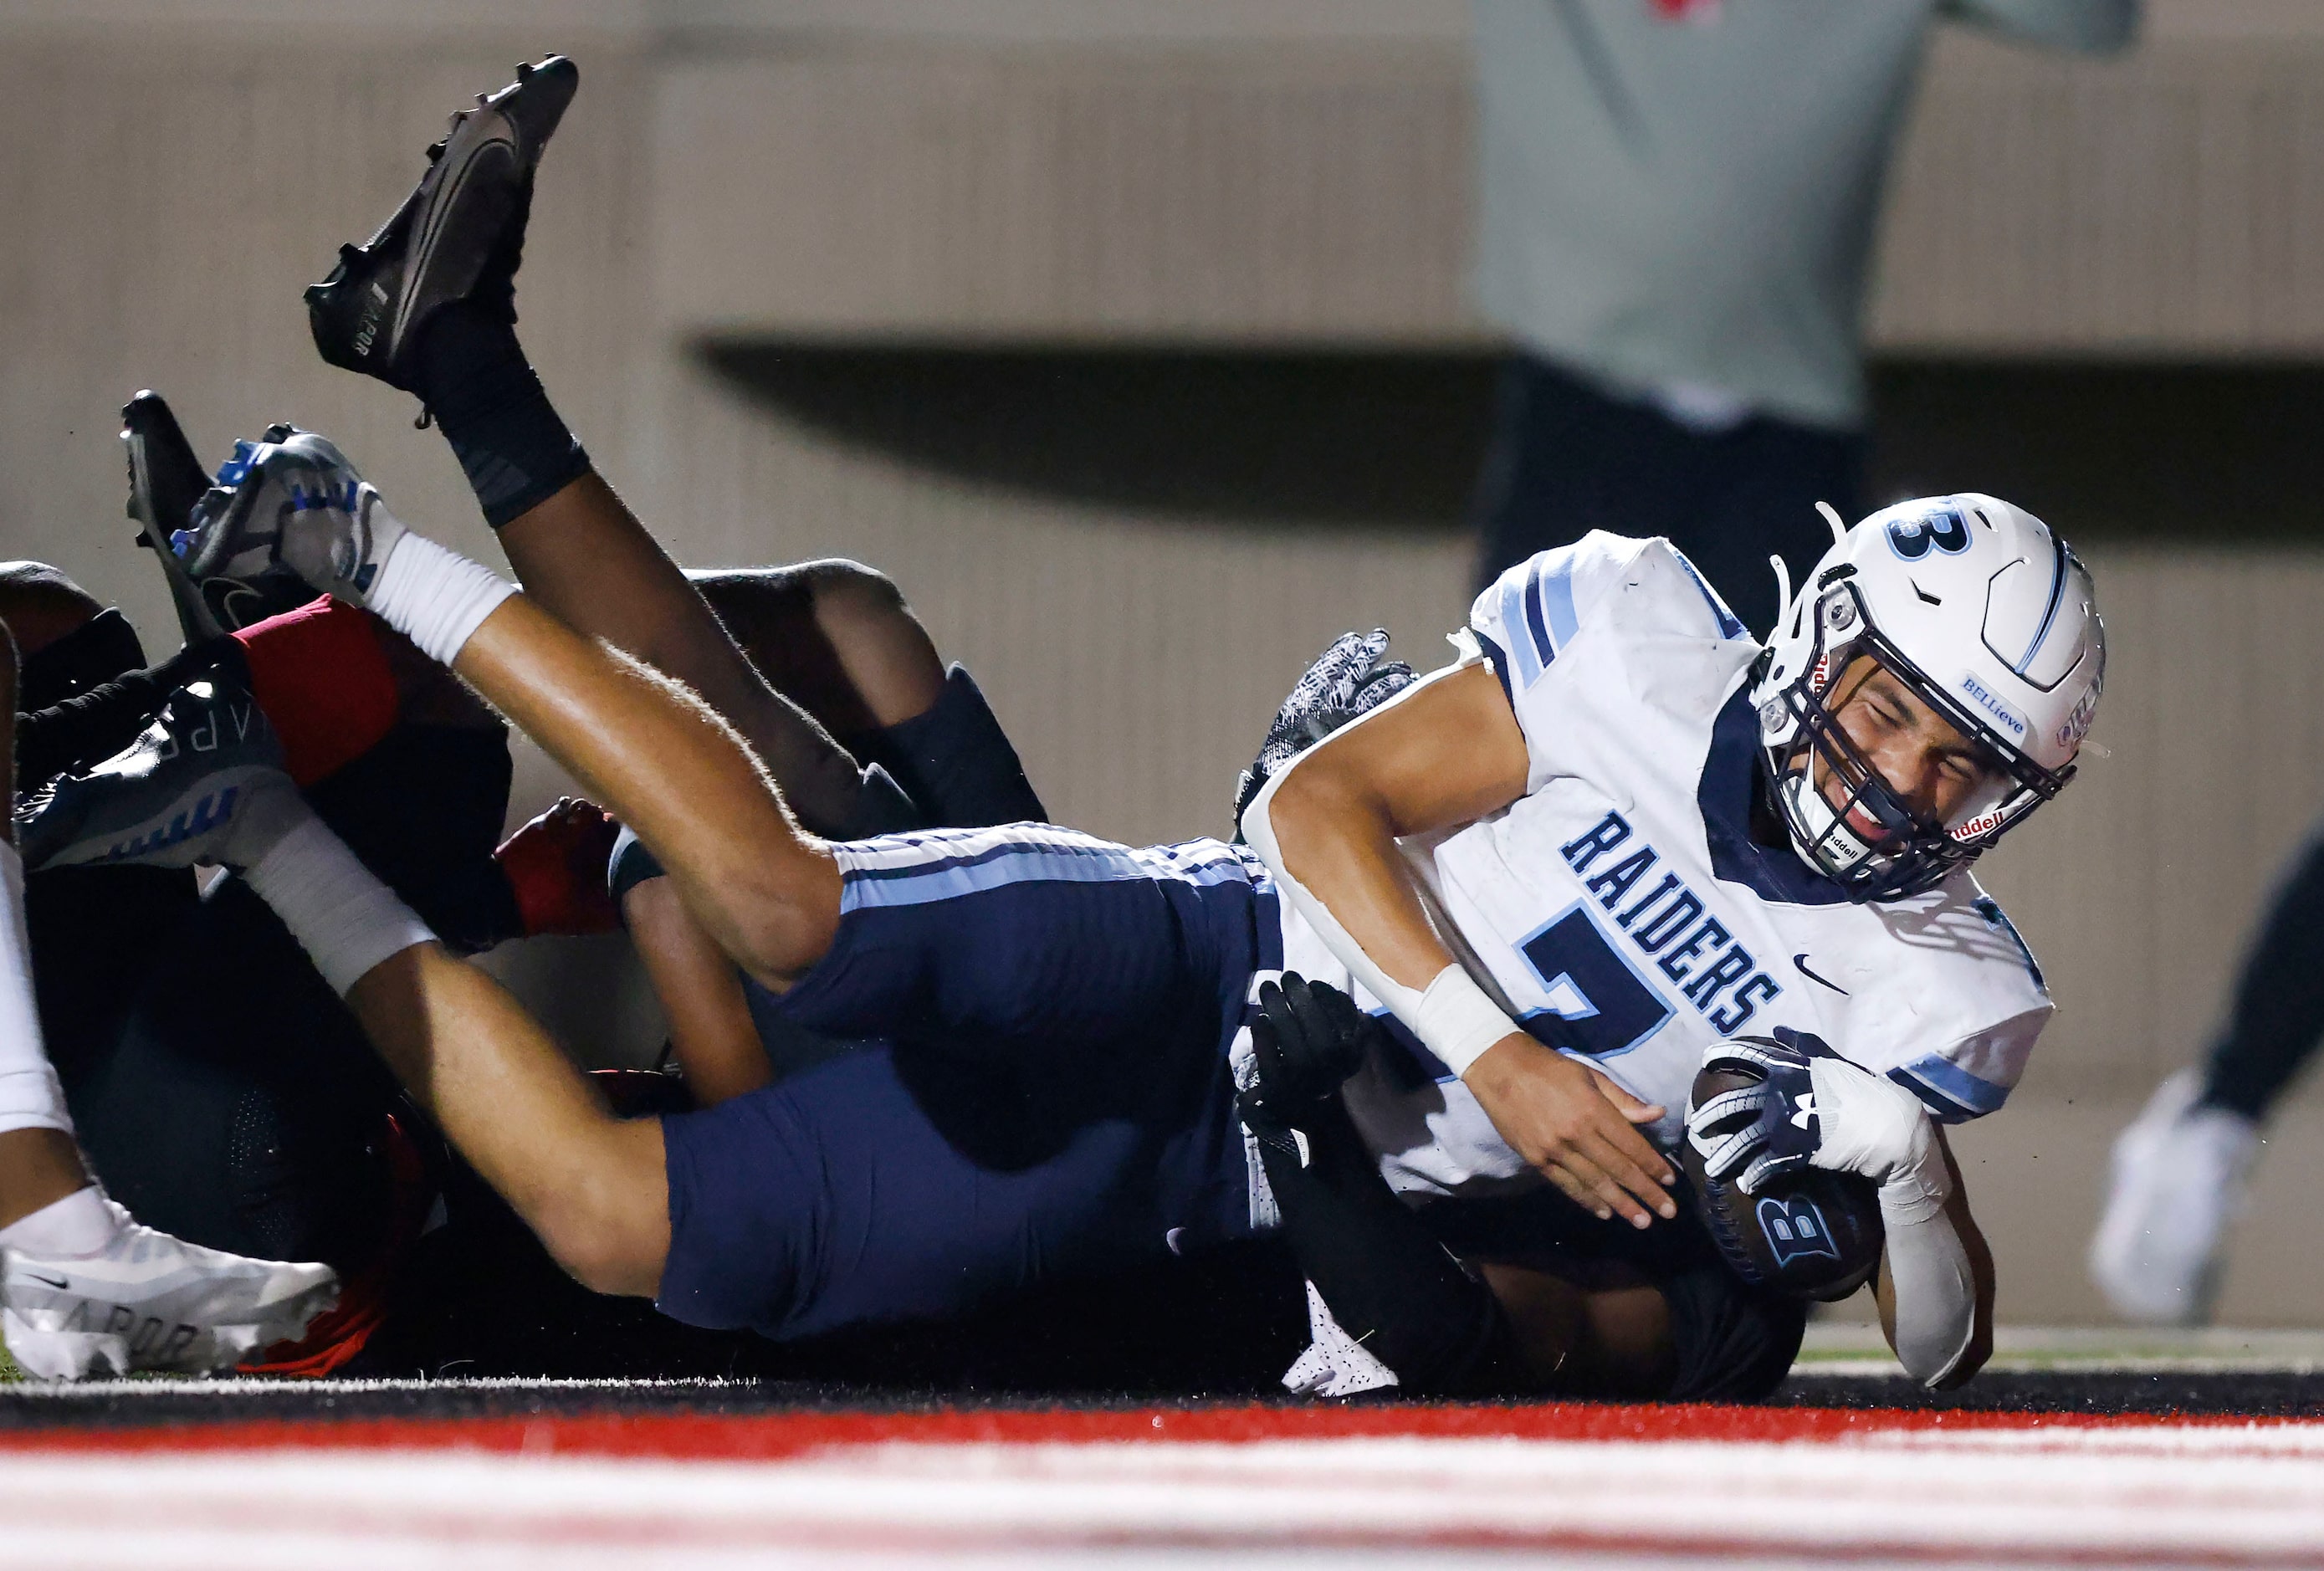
[[1671, 926]]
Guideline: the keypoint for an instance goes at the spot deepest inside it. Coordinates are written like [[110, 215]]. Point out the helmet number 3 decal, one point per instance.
[[1911, 538]]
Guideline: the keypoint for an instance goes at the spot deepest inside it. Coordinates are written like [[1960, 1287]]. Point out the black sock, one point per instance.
[[472, 374], [2278, 1013], [954, 761]]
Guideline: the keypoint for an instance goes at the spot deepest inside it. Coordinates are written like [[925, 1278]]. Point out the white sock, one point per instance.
[[342, 914], [434, 597], [30, 1096], [80, 1223]]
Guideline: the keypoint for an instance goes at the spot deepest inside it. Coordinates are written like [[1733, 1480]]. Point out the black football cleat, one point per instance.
[[165, 481], [462, 226]]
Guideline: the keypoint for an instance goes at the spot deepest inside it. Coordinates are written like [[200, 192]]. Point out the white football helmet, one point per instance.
[[1987, 617]]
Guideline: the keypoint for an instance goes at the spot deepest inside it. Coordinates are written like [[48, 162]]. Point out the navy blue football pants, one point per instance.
[[1046, 1093]]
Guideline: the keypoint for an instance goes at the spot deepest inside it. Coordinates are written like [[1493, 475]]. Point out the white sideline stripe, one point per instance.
[[2155, 1364], [2141, 1494], [142, 1551], [263, 1386], [2086, 1349]]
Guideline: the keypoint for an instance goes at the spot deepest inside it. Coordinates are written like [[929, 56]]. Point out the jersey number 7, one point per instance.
[[1598, 1005]]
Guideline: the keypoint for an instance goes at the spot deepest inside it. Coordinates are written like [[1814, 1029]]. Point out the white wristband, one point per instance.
[[1457, 1021], [434, 597]]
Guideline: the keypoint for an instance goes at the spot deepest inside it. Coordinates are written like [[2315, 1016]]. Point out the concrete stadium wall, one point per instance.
[[168, 189]]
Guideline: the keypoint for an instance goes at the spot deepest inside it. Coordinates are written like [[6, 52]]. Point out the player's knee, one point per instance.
[[784, 924], [608, 1227], [889, 657], [851, 596], [607, 1264], [40, 605]]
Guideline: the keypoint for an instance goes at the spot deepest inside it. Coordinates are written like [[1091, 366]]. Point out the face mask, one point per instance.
[[89, 656]]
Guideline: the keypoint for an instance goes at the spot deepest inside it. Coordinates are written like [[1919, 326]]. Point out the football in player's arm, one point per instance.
[[1549, 801]]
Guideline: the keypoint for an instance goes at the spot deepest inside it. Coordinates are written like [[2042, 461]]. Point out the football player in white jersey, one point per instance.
[[1618, 831]]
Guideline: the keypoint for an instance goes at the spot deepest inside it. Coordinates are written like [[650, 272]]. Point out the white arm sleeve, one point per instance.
[[1935, 1291], [1871, 1125], [1452, 1016], [30, 1095]]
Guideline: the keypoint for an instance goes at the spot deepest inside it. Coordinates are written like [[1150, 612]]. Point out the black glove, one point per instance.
[[1389, 1283], [1347, 680], [1309, 1037]]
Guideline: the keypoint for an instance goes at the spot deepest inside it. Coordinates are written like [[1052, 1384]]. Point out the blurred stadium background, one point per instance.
[[1131, 338]]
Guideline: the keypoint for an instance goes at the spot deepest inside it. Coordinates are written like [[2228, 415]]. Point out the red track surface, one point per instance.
[[1025, 1487], [774, 1437]]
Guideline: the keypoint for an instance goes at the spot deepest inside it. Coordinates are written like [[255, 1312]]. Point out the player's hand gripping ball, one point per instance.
[[1308, 1038], [1780, 1223]]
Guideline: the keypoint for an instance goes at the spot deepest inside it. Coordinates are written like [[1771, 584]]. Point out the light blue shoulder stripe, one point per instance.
[[1514, 644], [1557, 603], [1951, 1092], [1729, 627], [1038, 863]]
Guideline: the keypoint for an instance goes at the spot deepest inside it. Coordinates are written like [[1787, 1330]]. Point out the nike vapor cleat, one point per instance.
[[288, 517], [150, 1302], [2180, 1176], [208, 768], [165, 481], [463, 222]]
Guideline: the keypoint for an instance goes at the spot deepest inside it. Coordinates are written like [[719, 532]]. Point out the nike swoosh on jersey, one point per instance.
[[1801, 960], [50, 1281]]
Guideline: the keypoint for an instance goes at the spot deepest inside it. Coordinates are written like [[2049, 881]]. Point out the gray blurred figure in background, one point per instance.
[[1677, 202], [2181, 1172]]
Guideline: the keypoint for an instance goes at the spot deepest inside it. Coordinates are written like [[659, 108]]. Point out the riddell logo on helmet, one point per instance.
[[1983, 824], [1994, 707]]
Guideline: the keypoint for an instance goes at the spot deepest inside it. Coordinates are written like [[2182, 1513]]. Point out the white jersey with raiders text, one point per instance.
[[1622, 910]]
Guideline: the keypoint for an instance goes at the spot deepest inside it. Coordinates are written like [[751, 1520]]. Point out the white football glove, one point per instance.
[[1873, 1126]]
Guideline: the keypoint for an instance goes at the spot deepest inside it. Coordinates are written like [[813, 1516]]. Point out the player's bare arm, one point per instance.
[[1447, 753]]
